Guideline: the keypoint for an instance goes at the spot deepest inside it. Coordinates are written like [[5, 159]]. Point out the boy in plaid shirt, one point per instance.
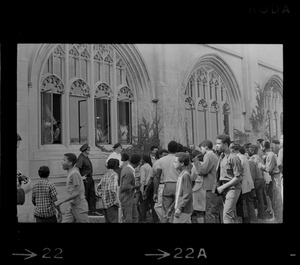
[[44, 194], [108, 191]]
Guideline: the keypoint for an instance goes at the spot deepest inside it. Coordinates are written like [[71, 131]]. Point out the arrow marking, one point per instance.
[[30, 254], [163, 254]]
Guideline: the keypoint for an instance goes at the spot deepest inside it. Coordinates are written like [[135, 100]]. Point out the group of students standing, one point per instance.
[[228, 184], [231, 184]]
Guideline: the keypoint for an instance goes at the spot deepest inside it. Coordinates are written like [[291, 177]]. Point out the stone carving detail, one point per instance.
[[59, 51], [98, 56], [214, 107], [108, 59], [74, 52], [226, 108], [127, 93], [80, 85], [202, 105], [103, 90], [189, 102], [55, 81], [85, 54]]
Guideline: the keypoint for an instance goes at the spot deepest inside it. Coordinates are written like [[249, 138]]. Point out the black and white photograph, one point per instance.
[[194, 131], [163, 150]]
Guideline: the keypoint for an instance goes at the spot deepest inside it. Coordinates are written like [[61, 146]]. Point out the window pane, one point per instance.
[[214, 126], [78, 120], [102, 107], [189, 132], [202, 126], [57, 130], [47, 118], [226, 124], [124, 122]]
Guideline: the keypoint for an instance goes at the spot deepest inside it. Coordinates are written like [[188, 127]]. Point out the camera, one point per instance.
[[22, 178]]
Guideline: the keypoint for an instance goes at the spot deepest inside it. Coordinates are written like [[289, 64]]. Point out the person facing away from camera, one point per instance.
[[128, 189], [44, 196], [246, 199], [167, 175], [156, 207], [146, 174], [77, 211], [207, 172], [108, 191], [259, 182], [271, 167], [183, 203], [230, 178]]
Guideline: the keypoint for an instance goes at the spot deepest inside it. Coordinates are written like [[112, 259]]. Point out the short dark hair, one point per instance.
[[153, 147], [117, 145], [183, 158], [160, 152], [242, 150], [172, 147], [124, 157], [266, 144], [224, 138], [135, 159], [180, 147], [254, 147], [260, 140], [71, 158], [195, 153], [44, 172], [234, 146], [207, 143], [147, 159], [112, 163]]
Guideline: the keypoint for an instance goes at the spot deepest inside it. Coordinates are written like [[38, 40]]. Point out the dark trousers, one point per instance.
[[213, 206], [51, 219], [111, 214], [168, 198], [259, 199], [245, 207], [90, 194], [143, 207]]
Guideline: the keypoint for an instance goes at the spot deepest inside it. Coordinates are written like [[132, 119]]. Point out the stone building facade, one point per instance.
[[197, 90]]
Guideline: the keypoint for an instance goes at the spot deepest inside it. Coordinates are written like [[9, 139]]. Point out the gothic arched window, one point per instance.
[[214, 109], [273, 106], [189, 120], [103, 95], [79, 93], [226, 112], [51, 90], [210, 96], [124, 104]]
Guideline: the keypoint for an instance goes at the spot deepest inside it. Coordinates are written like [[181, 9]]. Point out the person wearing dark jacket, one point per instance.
[[85, 167]]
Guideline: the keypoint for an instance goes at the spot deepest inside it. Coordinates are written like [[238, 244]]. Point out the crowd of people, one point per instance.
[[221, 183]]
